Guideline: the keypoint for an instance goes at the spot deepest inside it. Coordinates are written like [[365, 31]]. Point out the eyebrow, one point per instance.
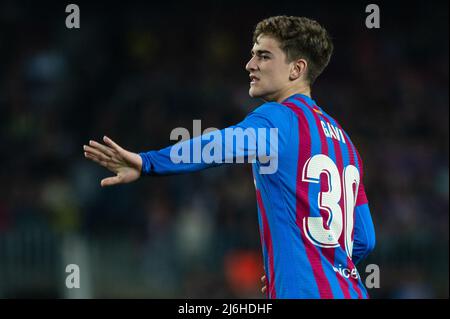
[[259, 52]]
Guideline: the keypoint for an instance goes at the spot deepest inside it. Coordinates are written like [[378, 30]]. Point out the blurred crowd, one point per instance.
[[134, 72]]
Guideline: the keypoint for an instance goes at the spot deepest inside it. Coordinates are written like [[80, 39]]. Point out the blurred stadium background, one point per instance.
[[135, 71]]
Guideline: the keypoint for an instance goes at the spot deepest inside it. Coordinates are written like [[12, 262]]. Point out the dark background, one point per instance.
[[136, 70]]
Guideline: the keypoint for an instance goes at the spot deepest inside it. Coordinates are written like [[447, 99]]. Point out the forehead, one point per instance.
[[264, 42]]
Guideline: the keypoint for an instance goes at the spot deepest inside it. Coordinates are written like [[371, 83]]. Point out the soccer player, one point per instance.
[[314, 218]]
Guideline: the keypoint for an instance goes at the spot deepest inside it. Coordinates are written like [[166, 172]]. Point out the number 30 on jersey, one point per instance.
[[336, 221]]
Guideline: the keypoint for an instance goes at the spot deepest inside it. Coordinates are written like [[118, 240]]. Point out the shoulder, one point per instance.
[[273, 111], [269, 114]]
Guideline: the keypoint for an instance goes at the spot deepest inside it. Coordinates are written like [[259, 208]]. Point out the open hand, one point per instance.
[[126, 165]]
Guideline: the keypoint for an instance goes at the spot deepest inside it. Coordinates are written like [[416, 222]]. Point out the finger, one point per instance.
[[263, 279], [97, 153], [111, 161], [105, 149], [264, 289], [96, 159], [112, 165], [111, 143], [122, 155], [110, 181], [92, 157]]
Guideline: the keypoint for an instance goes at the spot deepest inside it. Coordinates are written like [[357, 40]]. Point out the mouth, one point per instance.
[[253, 79]]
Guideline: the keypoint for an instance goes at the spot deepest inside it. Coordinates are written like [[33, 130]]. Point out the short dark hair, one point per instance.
[[299, 37]]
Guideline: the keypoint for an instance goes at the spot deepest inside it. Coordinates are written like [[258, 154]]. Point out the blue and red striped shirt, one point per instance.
[[313, 213]]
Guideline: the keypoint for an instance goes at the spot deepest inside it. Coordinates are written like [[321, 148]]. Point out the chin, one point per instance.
[[254, 93], [259, 95]]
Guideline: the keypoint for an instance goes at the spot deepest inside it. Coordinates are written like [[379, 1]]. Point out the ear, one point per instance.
[[298, 69]]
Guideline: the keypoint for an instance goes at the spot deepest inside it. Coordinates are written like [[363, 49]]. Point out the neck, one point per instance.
[[305, 90]]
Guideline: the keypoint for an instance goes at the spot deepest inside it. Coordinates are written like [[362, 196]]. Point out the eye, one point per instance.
[[265, 57]]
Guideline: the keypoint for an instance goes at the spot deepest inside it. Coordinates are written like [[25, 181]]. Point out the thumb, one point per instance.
[[110, 181]]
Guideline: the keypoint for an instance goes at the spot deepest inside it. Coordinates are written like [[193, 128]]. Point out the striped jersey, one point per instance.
[[314, 219]]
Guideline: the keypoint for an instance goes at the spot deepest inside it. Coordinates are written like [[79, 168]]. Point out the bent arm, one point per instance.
[[364, 233]]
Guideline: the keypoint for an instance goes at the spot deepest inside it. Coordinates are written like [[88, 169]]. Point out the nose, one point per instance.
[[251, 65]]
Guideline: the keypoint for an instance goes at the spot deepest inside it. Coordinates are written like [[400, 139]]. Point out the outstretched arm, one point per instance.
[[125, 164], [253, 139], [241, 144]]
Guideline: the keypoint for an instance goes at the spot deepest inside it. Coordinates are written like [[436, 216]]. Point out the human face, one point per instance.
[[269, 71]]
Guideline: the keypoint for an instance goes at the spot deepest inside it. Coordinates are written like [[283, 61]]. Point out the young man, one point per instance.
[[314, 218]]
